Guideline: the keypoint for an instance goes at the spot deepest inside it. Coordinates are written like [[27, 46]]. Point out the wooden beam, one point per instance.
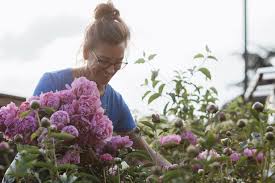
[[6, 99]]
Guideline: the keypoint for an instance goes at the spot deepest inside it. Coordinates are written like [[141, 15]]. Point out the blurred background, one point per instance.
[[42, 36]]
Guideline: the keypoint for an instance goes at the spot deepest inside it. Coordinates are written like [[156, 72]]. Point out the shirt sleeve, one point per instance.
[[44, 85], [126, 121]]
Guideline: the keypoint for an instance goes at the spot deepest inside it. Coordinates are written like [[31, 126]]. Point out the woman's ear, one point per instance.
[[85, 53]]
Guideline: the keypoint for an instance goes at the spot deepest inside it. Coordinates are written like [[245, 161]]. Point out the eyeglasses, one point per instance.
[[104, 64]]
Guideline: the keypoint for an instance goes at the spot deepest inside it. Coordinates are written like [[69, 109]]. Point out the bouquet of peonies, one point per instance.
[[74, 113]]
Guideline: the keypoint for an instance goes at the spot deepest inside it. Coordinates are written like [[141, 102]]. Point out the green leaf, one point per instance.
[[154, 74], [214, 90], [161, 88], [116, 179], [173, 96], [206, 72], [28, 148], [165, 108], [89, 177], [152, 56], [62, 136], [145, 94], [199, 55], [212, 57], [148, 124], [207, 49], [146, 81], [49, 110], [41, 164], [178, 87], [140, 61], [67, 167], [153, 97], [172, 174], [154, 83], [139, 154], [37, 133], [24, 114], [210, 140]]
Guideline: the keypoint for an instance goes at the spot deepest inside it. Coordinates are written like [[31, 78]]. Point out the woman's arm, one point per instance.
[[140, 143]]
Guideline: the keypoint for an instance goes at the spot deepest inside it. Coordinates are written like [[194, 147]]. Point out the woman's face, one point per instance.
[[104, 61]]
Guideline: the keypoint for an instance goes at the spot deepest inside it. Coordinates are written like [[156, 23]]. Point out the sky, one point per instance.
[[43, 36]]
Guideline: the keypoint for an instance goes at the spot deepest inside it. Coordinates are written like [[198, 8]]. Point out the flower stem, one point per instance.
[[104, 175]]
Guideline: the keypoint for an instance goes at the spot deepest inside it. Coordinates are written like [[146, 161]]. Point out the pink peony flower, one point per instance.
[[190, 137], [69, 108], [101, 128], [248, 152], [71, 130], [196, 167], [119, 142], [83, 127], [66, 96], [106, 157], [87, 105], [170, 139], [208, 155], [113, 170], [7, 115], [82, 86], [60, 119], [71, 156], [26, 127], [24, 106], [260, 157], [11, 130], [29, 100], [235, 156], [50, 99]]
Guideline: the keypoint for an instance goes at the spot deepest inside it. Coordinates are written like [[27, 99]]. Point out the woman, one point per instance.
[[103, 51]]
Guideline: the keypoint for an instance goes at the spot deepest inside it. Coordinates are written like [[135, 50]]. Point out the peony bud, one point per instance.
[[130, 149], [201, 171], [227, 151], [45, 122], [228, 134], [241, 123], [53, 128], [35, 104], [4, 147], [215, 165], [179, 123], [117, 160], [269, 136], [155, 118], [257, 106], [18, 138], [137, 130], [192, 151], [212, 108], [221, 117], [269, 129], [225, 141]]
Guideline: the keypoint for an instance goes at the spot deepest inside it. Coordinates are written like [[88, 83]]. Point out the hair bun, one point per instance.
[[106, 10]]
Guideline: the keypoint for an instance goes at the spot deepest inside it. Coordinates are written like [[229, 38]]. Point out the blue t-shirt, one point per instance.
[[113, 103]]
